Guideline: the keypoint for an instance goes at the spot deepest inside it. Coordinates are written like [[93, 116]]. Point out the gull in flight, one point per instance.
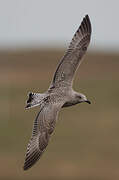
[[59, 95]]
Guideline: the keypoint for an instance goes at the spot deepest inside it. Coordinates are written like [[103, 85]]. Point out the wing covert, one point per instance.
[[72, 58]]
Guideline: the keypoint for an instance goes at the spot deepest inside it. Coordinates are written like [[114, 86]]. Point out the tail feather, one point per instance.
[[30, 97], [34, 99]]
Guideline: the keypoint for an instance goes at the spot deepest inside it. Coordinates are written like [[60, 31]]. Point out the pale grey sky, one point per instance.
[[28, 23]]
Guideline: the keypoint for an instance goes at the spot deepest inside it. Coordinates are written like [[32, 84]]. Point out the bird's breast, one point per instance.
[[69, 103]]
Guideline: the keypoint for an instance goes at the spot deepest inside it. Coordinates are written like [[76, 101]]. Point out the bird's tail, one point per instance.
[[34, 99]]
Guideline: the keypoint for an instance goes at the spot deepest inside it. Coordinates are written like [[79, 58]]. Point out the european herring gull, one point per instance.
[[60, 94]]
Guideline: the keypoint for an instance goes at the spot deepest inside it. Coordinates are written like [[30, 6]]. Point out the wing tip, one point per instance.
[[87, 16], [27, 166], [85, 26], [29, 163]]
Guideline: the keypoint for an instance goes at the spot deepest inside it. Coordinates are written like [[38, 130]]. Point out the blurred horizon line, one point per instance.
[[57, 47]]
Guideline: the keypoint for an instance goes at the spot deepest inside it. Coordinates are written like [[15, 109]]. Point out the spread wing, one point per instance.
[[43, 127], [72, 58]]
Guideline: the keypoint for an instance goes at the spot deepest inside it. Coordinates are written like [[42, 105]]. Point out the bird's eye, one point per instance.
[[79, 97]]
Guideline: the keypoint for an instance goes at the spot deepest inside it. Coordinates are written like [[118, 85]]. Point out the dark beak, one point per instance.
[[88, 102]]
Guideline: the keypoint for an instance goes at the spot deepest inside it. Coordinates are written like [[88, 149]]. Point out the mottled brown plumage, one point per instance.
[[60, 94]]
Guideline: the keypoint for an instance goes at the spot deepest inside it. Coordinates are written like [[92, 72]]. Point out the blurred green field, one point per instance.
[[85, 144]]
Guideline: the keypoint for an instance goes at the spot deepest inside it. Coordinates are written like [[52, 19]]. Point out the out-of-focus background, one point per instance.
[[33, 37]]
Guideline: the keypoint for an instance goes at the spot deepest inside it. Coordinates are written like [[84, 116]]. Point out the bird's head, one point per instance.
[[82, 98]]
